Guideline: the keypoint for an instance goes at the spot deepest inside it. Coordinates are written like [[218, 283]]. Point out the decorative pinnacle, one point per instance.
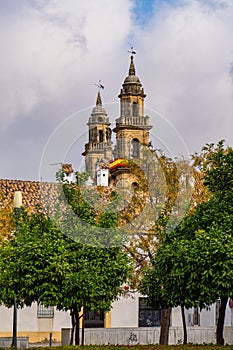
[[98, 100], [131, 67]]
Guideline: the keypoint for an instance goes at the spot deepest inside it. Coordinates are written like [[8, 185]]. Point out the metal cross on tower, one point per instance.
[[132, 51], [99, 85]]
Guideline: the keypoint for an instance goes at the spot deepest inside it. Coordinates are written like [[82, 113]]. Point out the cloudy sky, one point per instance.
[[54, 51]]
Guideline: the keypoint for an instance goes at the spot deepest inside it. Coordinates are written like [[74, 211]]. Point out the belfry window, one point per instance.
[[135, 109], [101, 136], [108, 134], [135, 148]]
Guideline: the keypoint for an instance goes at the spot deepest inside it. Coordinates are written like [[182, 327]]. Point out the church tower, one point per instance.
[[132, 128], [99, 147]]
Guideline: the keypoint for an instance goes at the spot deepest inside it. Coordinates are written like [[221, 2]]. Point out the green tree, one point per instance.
[[43, 265], [159, 197], [170, 189], [193, 265]]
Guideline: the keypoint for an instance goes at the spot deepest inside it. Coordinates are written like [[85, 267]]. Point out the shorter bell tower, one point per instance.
[[99, 147]]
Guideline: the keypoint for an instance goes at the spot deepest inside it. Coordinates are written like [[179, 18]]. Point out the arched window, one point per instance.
[[108, 134], [101, 136], [135, 109], [135, 148]]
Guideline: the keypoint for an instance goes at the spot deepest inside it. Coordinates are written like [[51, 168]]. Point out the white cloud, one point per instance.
[[190, 51], [48, 49], [52, 53]]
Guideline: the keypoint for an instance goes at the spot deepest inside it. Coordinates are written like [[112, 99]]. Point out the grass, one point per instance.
[[141, 347]]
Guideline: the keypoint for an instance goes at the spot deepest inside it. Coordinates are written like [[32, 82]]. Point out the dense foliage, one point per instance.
[[44, 264], [193, 265]]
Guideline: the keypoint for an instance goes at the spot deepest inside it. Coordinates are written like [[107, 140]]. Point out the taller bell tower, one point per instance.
[[132, 127]]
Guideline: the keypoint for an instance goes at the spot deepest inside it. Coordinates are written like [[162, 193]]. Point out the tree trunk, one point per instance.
[[73, 327], [83, 326], [184, 324], [164, 326], [77, 340], [221, 319]]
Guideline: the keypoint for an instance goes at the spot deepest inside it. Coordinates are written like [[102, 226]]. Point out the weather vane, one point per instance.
[[132, 51], [100, 86]]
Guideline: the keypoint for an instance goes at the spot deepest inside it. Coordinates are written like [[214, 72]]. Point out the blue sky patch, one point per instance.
[[145, 9]]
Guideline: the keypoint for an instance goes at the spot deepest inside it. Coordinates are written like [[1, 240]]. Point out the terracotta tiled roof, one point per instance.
[[34, 193]]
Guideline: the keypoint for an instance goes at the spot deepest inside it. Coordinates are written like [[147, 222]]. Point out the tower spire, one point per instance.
[[132, 70], [131, 67], [98, 100]]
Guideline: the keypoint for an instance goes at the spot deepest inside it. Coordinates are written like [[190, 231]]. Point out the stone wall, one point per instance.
[[22, 342], [144, 336]]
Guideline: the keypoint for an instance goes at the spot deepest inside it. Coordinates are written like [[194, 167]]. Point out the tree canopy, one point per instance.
[[43, 264], [193, 265]]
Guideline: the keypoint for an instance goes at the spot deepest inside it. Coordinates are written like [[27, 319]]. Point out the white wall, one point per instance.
[[124, 311], [208, 317], [176, 318], [102, 177], [61, 319], [28, 321], [124, 314]]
